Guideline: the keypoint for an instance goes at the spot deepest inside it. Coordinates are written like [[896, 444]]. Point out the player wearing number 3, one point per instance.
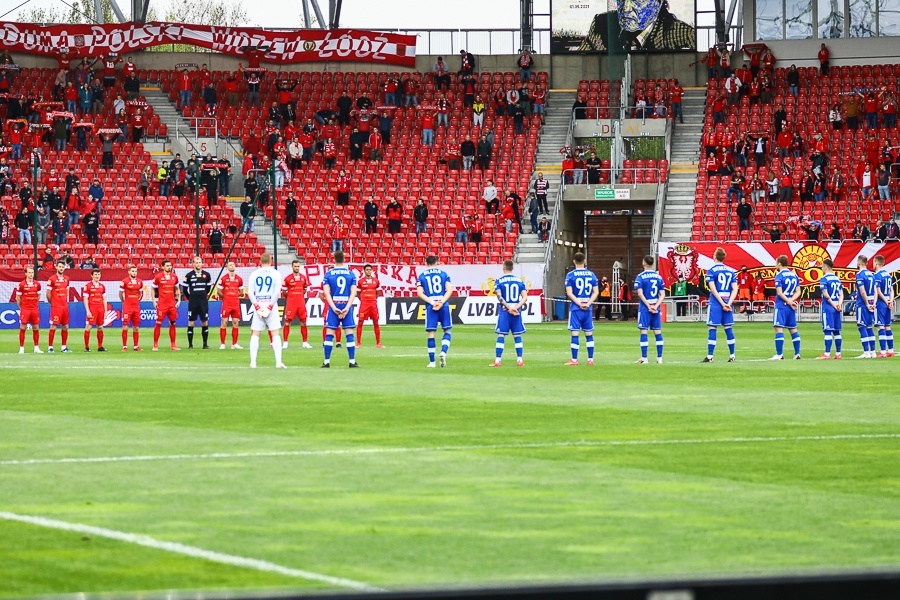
[[787, 296], [723, 286], [264, 291], [649, 288], [339, 291], [512, 296]]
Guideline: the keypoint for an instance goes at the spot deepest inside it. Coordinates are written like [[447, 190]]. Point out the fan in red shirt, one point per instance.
[[130, 294], [369, 290], [229, 290], [28, 293], [94, 294], [167, 298], [58, 297], [294, 289]]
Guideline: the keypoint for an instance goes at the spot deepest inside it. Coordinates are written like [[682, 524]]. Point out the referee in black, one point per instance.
[[196, 287]]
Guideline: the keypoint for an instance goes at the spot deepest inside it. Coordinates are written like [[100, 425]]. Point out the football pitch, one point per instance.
[[188, 471]]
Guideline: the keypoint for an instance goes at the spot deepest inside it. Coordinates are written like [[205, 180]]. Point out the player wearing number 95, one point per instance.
[[832, 301], [512, 294], [435, 289], [649, 287], [339, 291], [264, 291], [787, 296], [722, 283], [582, 289]]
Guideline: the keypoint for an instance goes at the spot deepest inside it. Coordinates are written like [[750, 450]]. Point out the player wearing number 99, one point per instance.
[[435, 289], [832, 301], [787, 296], [512, 294], [264, 290], [722, 283], [649, 287], [339, 291], [582, 289]]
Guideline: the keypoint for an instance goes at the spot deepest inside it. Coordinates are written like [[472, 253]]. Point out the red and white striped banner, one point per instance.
[[305, 45]]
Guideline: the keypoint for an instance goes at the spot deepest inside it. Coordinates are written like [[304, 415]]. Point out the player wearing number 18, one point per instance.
[[582, 289], [832, 301], [339, 291], [649, 287], [264, 291], [723, 286], [512, 294], [435, 289], [787, 296]]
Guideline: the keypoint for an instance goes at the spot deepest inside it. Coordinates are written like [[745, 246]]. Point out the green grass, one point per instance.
[[399, 476]]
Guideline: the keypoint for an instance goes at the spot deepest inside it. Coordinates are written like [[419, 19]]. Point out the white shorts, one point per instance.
[[272, 322]]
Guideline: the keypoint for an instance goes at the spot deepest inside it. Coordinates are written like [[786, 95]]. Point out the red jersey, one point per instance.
[[132, 291], [823, 55], [230, 289], [129, 68], [58, 286], [95, 293], [368, 289], [28, 294], [166, 283], [744, 279], [294, 287]]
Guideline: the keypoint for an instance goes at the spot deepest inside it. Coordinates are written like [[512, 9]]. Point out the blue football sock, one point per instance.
[[882, 339], [779, 343], [659, 345], [644, 344], [520, 347], [589, 344], [729, 334], [890, 339], [445, 343], [828, 338], [351, 346], [501, 342], [711, 343], [329, 346], [870, 336], [795, 337], [574, 346], [432, 344], [837, 343]]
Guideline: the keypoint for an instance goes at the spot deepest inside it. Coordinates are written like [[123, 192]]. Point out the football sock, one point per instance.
[[324, 333], [795, 338], [520, 347], [359, 331], [644, 344], [837, 343], [100, 337], [779, 343], [50, 336], [889, 336], [172, 333], [136, 337], [156, 331], [828, 339], [498, 347], [445, 343], [87, 338], [729, 335], [329, 346], [270, 336], [337, 335], [222, 334], [882, 339], [234, 335], [870, 336], [574, 347], [377, 329], [351, 348], [711, 343], [276, 347], [287, 332], [21, 338], [432, 344], [659, 345], [124, 337], [190, 332], [304, 333], [589, 344], [65, 337], [36, 337], [204, 331], [254, 349]]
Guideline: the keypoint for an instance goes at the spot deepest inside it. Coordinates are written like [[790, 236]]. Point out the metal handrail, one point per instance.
[[661, 193], [554, 221]]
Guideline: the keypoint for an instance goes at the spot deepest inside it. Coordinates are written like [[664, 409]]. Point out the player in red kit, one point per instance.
[[58, 297], [131, 293], [229, 289], [369, 290], [27, 295], [294, 289], [94, 294], [166, 299]]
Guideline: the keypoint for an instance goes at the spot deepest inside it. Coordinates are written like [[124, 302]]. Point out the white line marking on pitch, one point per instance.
[[191, 551], [421, 449]]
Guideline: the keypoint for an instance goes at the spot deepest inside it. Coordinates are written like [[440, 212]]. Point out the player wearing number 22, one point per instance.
[[264, 291], [832, 301], [512, 294], [435, 289], [582, 288], [722, 283], [787, 295], [649, 287], [339, 291]]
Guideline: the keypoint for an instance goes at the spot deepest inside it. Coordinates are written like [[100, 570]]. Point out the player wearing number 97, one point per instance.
[[512, 294], [339, 291], [832, 301], [722, 283], [582, 289], [649, 287], [787, 295], [865, 307], [264, 290], [435, 289]]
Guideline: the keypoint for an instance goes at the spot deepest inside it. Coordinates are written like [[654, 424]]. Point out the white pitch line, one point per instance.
[[461, 448], [191, 551]]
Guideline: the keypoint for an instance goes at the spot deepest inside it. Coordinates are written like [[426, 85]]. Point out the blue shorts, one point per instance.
[[831, 320], [883, 314], [333, 322], [864, 317], [580, 320], [648, 320], [786, 317], [716, 317], [509, 323], [441, 317]]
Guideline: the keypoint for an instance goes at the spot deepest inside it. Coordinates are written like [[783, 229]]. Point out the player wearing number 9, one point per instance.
[[265, 288], [339, 291], [723, 286]]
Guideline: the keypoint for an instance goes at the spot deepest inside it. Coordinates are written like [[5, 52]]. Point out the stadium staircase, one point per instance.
[[682, 186], [547, 161], [263, 230]]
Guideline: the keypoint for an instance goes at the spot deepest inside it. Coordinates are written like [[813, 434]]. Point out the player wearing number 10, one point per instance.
[[512, 294], [339, 291], [722, 283], [649, 287], [582, 289], [435, 289], [787, 294], [264, 291]]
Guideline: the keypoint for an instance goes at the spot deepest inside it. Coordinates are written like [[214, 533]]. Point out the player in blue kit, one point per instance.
[[512, 296], [865, 307], [832, 303], [787, 296], [884, 306], [648, 286], [722, 283], [582, 289], [435, 289], [339, 291]]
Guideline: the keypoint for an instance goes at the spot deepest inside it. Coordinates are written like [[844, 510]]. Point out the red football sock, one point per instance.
[[222, 333], [172, 333], [304, 333], [235, 332], [21, 338], [359, 332], [324, 333], [36, 336], [136, 337], [377, 329], [87, 338], [65, 337], [156, 332], [124, 338], [100, 337], [287, 332], [50, 337], [337, 335], [270, 336]]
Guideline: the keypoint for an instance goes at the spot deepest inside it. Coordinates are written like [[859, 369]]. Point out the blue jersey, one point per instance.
[[510, 288], [885, 283], [831, 288], [340, 282], [865, 281], [650, 284], [786, 281], [582, 282], [434, 283], [721, 278]]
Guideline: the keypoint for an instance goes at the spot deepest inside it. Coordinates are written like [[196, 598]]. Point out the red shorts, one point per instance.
[[162, 312], [368, 311], [59, 315], [98, 315], [292, 310], [131, 315], [30, 316], [233, 312]]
